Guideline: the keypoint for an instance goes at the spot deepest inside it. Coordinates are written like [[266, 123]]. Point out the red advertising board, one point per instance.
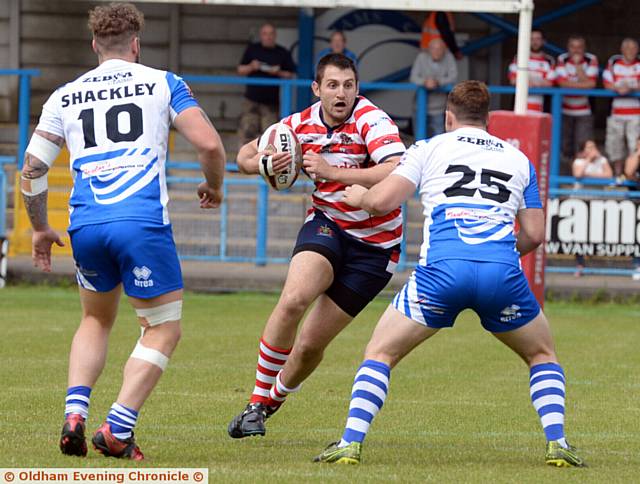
[[531, 134]]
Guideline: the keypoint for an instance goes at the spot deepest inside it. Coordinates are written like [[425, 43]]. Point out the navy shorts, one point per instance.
[[360, 271], [499, 293], [141, 256]]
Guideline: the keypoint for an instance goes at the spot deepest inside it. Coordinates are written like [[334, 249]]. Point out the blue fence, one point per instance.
[[287, 96]]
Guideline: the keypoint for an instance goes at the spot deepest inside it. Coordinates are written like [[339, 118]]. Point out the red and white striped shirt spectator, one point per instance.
[[567, 70], [367, 137], [623, 73], [541, 73]]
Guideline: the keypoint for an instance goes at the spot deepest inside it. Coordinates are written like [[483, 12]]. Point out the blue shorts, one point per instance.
[[499, 293], [141, 256], [360, 271]]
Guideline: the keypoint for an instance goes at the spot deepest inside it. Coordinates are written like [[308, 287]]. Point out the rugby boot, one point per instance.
[[559, 456], [72, 440], [110, 446], [333, 454], [251, 420]]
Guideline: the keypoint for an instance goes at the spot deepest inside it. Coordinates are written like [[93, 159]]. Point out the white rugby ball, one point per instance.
[[280, 138]]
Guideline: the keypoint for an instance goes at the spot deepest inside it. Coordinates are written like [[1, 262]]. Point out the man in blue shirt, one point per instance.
[[337, 45]]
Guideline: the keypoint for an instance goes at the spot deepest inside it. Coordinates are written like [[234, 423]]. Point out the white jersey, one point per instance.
[[115, 121], [472, 185]]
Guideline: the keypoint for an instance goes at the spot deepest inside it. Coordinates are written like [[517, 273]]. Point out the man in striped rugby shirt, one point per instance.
[[343, 257]]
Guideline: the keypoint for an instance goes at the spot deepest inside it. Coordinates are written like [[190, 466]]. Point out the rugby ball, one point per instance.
[[280, 138]]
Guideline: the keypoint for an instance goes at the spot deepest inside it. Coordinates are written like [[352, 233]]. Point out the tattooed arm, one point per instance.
[[193, 124], [36, 204]]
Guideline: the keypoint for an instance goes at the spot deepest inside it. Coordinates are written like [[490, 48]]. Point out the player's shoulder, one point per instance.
[[562, 58], [615, 59], [365, 109]]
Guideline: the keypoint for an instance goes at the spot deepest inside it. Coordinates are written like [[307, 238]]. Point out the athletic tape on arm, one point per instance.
[[150, 356], [161, 314], [34, 186], [43, 149]]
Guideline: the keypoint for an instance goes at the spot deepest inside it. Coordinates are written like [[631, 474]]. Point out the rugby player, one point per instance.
[[115, 121], [343, 257], [473, 187]]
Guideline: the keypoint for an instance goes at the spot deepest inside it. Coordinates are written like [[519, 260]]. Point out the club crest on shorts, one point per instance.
[[142, 275], [325, 231]]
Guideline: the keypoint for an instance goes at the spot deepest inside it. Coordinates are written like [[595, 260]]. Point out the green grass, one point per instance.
[[458, 408]]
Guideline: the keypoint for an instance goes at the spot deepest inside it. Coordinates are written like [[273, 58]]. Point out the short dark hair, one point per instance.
[[469, 102], [114, 25], [577, 37], [537, 29], [340, 61]]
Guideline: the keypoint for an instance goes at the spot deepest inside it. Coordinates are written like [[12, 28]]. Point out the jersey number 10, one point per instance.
[[113, 130]]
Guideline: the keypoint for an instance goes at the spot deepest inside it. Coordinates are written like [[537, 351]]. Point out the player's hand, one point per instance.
[[209, 197], [42, 240], [622, 90], [317, 167], [353, 195]]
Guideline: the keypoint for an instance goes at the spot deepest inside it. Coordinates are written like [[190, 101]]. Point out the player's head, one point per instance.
[[268, 36], [468, 105], [116, 28], [336, 85], [537, 40], [629, 48], [576, 45]]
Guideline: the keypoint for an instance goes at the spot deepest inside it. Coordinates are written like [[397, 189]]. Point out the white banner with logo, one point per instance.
[[599, 227]]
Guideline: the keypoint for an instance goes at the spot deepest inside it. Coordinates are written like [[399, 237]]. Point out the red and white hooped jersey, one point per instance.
[[566, 71], [366, 138], [619, 73], [541, 68]]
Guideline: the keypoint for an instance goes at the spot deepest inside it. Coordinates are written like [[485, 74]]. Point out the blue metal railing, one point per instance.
[[24, 105]]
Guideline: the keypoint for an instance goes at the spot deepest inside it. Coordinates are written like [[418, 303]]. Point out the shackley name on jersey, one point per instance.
[[107, 94], [115, 121], [472, 185]]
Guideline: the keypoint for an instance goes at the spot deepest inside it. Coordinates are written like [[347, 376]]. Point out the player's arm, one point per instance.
[[42, 151], [249, 159], [318, 169], [531, 233], [381, 198], [194, 124]]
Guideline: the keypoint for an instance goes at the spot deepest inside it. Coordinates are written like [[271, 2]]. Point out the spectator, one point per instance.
[[440, 25], [260, 107], [431, 69], [590, 164], [622, 75], [541, 70], [576, 69], [337, 45], [632, 164]]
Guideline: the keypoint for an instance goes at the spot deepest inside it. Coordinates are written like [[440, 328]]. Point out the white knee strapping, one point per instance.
[[150, 355], [161, 314], [43, 149]]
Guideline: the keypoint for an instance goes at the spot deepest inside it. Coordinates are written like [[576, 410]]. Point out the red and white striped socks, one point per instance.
[[270, 362]]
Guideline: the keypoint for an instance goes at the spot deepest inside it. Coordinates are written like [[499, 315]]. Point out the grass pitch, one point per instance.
[[458, 408]]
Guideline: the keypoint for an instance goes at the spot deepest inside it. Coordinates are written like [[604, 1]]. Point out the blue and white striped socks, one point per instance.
[[122, 420], [547, 394], [367, 397], [77, 401]]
